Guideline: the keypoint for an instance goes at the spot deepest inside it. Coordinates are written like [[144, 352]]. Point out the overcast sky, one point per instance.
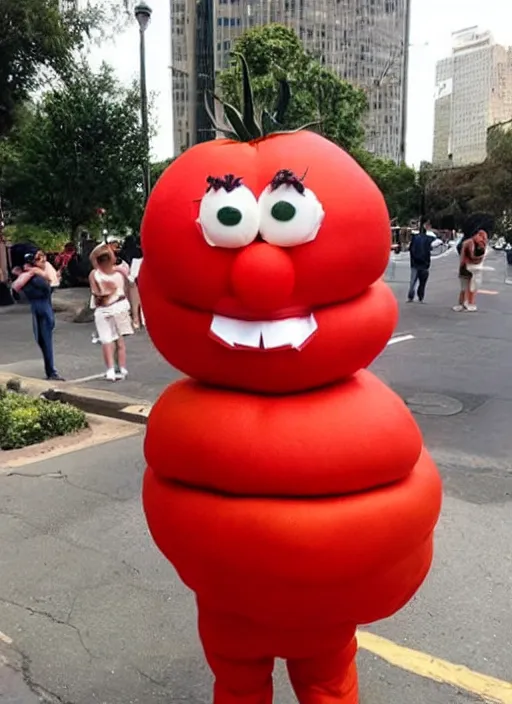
[[432, 24]]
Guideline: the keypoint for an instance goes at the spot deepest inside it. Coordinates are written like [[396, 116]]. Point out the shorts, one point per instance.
[[113, 322], [473, 283]]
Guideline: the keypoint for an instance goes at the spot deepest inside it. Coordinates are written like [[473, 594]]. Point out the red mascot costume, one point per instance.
[[287, 485]]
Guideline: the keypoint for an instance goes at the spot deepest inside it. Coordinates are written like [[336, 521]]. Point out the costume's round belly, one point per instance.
[[314, 509], [337, 440], [354, 558]]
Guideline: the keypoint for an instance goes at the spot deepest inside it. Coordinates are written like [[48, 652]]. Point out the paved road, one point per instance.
[[96, 615]]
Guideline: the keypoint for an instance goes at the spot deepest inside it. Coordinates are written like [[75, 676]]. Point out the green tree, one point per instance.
[[79, 150], [318, 94], [454, 193], [37, 36], [158, 167], [399, 183]]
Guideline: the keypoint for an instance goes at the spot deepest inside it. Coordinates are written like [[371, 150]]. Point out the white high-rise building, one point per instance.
[[473, 93], [362, 40]]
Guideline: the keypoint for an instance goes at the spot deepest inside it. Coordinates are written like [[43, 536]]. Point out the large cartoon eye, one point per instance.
[[229, 218], [289, 217]]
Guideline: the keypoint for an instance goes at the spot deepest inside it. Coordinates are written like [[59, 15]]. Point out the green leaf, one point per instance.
[[248, 102], [235, 119], [269, 124], [283, 101]]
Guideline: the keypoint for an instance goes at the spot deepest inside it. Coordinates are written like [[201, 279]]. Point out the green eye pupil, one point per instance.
[[283, 211], [229, 216]]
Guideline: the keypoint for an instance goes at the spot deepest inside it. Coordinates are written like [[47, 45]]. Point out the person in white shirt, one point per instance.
[[111, 310]]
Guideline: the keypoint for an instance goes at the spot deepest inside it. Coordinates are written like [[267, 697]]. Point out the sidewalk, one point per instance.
[[78, 360]]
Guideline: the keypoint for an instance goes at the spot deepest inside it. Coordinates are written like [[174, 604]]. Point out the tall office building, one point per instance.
[[362, 40], [473, 93]]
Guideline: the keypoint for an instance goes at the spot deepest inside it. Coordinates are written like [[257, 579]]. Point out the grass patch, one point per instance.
[[26, 420]]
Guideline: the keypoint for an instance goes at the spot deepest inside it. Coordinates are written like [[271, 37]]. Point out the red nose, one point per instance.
[[263, 277]]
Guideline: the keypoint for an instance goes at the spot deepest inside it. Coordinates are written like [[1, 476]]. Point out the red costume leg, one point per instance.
[[242, 669], [326, 679], [241, 681]]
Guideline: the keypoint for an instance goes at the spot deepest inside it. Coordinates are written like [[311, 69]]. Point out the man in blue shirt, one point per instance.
[[420, 251]]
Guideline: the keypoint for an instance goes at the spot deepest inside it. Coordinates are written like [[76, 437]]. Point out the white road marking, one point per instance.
[[5, 639], [86, 378], [400, 338]]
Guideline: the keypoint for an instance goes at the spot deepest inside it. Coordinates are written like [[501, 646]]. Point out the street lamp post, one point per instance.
[[143, 16]]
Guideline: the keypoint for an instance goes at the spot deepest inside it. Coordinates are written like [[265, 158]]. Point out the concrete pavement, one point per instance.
[[95, 614]]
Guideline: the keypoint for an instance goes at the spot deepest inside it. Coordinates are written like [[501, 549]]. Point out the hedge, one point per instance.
[[25, 420]]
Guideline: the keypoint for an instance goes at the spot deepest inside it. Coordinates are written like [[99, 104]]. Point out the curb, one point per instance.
[[101, 403]]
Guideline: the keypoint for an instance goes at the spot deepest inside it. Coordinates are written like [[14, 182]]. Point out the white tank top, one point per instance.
[[117, 279]]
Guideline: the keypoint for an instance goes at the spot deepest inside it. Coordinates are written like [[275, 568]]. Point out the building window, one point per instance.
[[228, 21]]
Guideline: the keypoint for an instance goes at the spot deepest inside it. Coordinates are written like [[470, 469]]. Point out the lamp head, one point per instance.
[[143, 15]]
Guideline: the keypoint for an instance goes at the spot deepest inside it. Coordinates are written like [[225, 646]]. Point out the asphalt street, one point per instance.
[[89, 610]]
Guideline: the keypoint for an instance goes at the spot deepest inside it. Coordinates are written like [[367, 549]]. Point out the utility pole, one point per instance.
[[405, 76]]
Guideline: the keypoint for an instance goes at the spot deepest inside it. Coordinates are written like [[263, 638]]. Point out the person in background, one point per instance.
[[37, 279], [63, 258], [131, 253], [111, 310], [420, 252], [115, 246], [472, 249]]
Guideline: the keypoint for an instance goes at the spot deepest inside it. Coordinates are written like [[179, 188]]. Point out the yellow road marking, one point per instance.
[[488, 688], [5, 639]]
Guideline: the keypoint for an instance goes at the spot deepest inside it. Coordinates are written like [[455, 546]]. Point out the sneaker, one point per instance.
[[471, 308], [95, 339], [55, 377], [458, 308], [111, 375], [410, 300], [122, 373]]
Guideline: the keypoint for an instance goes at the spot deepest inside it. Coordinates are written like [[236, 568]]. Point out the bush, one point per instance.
[[47, 240], [25, 420]]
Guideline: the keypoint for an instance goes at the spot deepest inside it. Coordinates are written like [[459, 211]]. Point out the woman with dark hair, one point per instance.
[[37, 280], [472, 249]]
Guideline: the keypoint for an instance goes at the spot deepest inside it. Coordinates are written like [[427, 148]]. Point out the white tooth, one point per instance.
[[292, 332], [236, 332]]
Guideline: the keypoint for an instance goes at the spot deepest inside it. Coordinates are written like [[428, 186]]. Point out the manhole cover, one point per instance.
[[434, 404]]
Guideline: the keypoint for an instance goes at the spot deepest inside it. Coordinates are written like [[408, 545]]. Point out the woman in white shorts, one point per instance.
[[111, 310]]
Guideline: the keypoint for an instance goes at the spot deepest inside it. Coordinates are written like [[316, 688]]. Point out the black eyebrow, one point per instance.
[[228, 182], [285, 177]]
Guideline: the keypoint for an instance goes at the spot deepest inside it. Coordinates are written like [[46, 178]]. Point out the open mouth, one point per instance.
[[264, 334]]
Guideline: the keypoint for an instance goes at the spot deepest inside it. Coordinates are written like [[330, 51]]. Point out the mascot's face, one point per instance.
[[259, 264]]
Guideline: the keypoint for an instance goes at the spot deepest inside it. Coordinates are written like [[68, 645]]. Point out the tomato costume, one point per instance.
[[287, 485]]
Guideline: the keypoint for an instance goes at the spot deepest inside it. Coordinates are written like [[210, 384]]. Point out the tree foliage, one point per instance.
[[453, 194], [158, 167], [318, 94], [37, 36], [77, 150], [399, 184]]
